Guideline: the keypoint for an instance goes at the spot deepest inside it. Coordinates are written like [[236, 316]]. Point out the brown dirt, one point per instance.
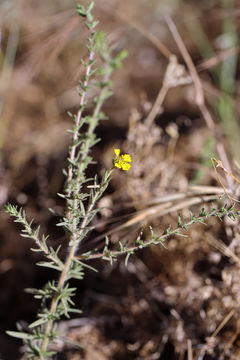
[[166, 303]]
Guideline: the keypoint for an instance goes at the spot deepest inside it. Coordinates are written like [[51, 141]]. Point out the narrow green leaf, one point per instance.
[[38, 322], [19, 335]]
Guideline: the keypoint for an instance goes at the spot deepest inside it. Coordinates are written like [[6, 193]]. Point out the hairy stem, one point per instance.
[[75, 234], [80, 112]]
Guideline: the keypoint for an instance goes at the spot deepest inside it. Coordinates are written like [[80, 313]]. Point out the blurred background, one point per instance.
[[166, 304]]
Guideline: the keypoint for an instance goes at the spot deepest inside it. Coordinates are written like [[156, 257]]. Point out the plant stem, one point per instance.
[[75, 235], [80, 112]]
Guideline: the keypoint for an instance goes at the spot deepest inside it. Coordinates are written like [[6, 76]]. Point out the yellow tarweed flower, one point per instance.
[[122, 161]]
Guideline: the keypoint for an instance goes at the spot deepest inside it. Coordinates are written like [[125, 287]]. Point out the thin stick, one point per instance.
[[200, 101], [148, 35], [157, 105], [223, 323], [219, 245], [217, 59], [218, 329], [219, 164], [189, 63], [189, 347], [229, 344]]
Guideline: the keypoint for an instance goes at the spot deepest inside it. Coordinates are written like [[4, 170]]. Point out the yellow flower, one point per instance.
[[122, 161]]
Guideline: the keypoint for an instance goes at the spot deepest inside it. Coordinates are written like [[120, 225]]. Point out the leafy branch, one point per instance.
[[41, 242], [56, 297], [111, 255]]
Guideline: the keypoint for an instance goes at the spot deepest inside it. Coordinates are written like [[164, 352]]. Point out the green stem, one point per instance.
[[73, 237]]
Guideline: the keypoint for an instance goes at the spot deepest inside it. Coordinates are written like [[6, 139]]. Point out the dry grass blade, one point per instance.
[[219, 245], [157, 106], [215, 333], [173, 77], [230, 343], [219, 164], [190, 352], [152, 212], [147, 34], [200, 101], [217, 59]]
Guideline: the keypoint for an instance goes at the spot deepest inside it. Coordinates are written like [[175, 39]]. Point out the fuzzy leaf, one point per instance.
[[19, 335], [38, 322]]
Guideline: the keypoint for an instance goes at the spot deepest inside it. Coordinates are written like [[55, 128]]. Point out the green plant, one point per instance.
[[81, 207]]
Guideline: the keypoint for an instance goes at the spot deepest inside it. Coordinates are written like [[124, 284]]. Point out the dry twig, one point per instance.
[[200, 101]]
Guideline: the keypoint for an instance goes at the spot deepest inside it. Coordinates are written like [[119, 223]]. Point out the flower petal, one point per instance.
[[117, 152], [126, 166], [127, 158], [118, 164]]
